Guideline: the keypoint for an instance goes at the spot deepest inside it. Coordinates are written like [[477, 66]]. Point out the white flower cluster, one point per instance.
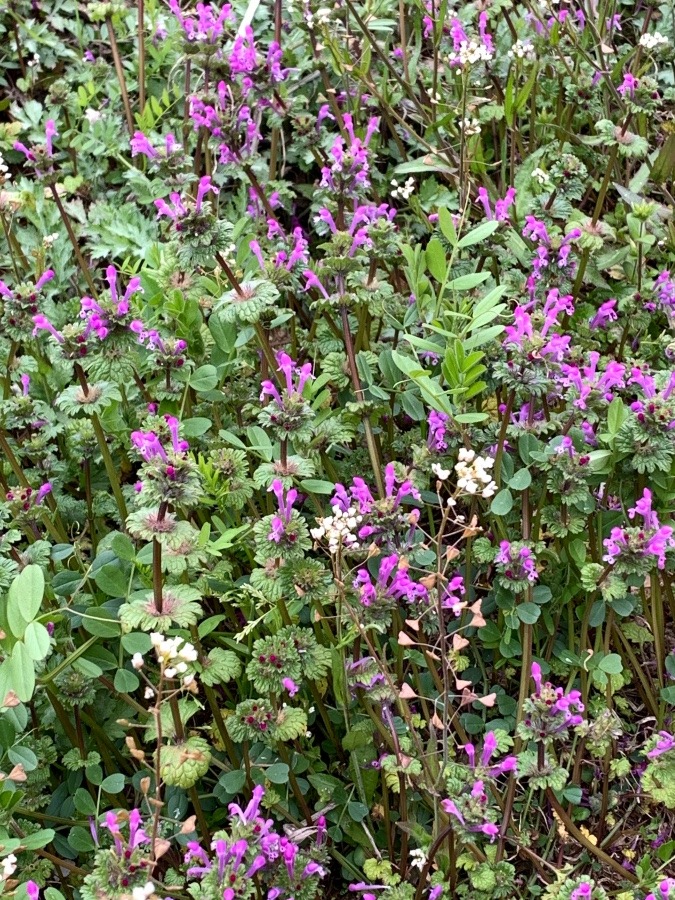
[[8, 866], [143, 893], [540, 177], [404, 190], [522, 50], [418, 858], [339, 529], [473, 476], [469, 53], [653, 41], [4, 177], [173, 657], [470, 126]]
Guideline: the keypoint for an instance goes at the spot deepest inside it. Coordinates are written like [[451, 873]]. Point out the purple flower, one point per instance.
[[50, 134], [437, 428], [393, 582], [628, 85], [295, 377], [141, 145], [42, 323], [281, 521], [290, 686], [518, 561], [665, 743], [501, 210], [605, 314], [206, 25]]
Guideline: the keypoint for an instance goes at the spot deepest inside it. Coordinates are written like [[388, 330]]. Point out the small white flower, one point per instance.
[[149, 693], [92, 115], [522, 50], [137, 661], [8, 865], [142, 893], [653, 41], [470, 126], [418, 858], [403, 191], [470, 52], [170, 672], [440, 472], [187, 681]]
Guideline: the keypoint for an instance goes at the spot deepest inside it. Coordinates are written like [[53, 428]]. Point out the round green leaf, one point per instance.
[[125, 681], [277, 774], [502, 503], [37, 641], [521, 480], [113, 784], [233, 781]]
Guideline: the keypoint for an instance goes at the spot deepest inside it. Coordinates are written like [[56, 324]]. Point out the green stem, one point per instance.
[[73, 240], [367, 426], [119, 71], [110, 468]]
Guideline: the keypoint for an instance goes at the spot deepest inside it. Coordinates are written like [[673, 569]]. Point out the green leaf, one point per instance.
[[203, 379], [668, 695], [21, 672], [233, 781], [611, 664], [113, 784], [521, 480], [112, 580], [435, 259], [447, 225], [277, 774], [469, 418], [101, 621], [478, 234], [196, 426], [357, 811], [23, 756], [468, 282], [84, 803], [80, 839], [528, 444], [136, 642], [37, 641], [123, 548], [126, 682], [317, 486], [38, 839], [24, 599], [573, 794], [502, 504], [528, 613], [616, 415]]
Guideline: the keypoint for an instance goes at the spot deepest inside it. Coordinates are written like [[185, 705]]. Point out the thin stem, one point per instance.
[[588, 845], [105, 452], [120, 75], [367, 426], [73, 240], [141, 55], [110, 468]]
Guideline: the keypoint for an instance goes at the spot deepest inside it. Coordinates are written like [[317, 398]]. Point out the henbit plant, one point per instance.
[[338, 441]]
